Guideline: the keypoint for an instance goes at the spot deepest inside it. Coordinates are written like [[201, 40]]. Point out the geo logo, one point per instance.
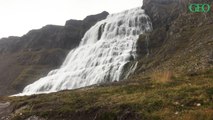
[[199, 8]]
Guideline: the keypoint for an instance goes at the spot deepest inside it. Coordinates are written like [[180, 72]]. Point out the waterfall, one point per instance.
[[101, 56]]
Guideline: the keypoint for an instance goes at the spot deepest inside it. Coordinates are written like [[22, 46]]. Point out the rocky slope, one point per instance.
[[180, 42], [25, 59]]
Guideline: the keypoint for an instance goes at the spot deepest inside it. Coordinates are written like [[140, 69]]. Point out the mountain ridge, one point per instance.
[[25, 59]]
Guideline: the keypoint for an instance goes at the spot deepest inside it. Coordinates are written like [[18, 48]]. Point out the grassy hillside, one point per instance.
[[159, 96]]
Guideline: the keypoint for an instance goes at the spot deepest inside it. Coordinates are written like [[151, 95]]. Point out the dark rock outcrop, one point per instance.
[[25, 59], [88, 21], [10, 44], [162, 12]]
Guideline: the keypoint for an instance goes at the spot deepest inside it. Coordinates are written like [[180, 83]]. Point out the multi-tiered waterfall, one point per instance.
[[101, 57]]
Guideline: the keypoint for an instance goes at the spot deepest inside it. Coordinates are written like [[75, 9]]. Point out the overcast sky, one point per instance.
[[17, 17]]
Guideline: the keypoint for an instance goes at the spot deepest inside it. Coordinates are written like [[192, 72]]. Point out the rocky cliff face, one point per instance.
[[25, 59], [181, 41], [162, 12]]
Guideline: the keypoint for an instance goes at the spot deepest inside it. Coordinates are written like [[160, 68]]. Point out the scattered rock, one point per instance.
[[35, 118], [198, 104]]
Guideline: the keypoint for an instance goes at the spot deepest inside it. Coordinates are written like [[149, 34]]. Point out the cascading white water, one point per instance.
[[101, 56]]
